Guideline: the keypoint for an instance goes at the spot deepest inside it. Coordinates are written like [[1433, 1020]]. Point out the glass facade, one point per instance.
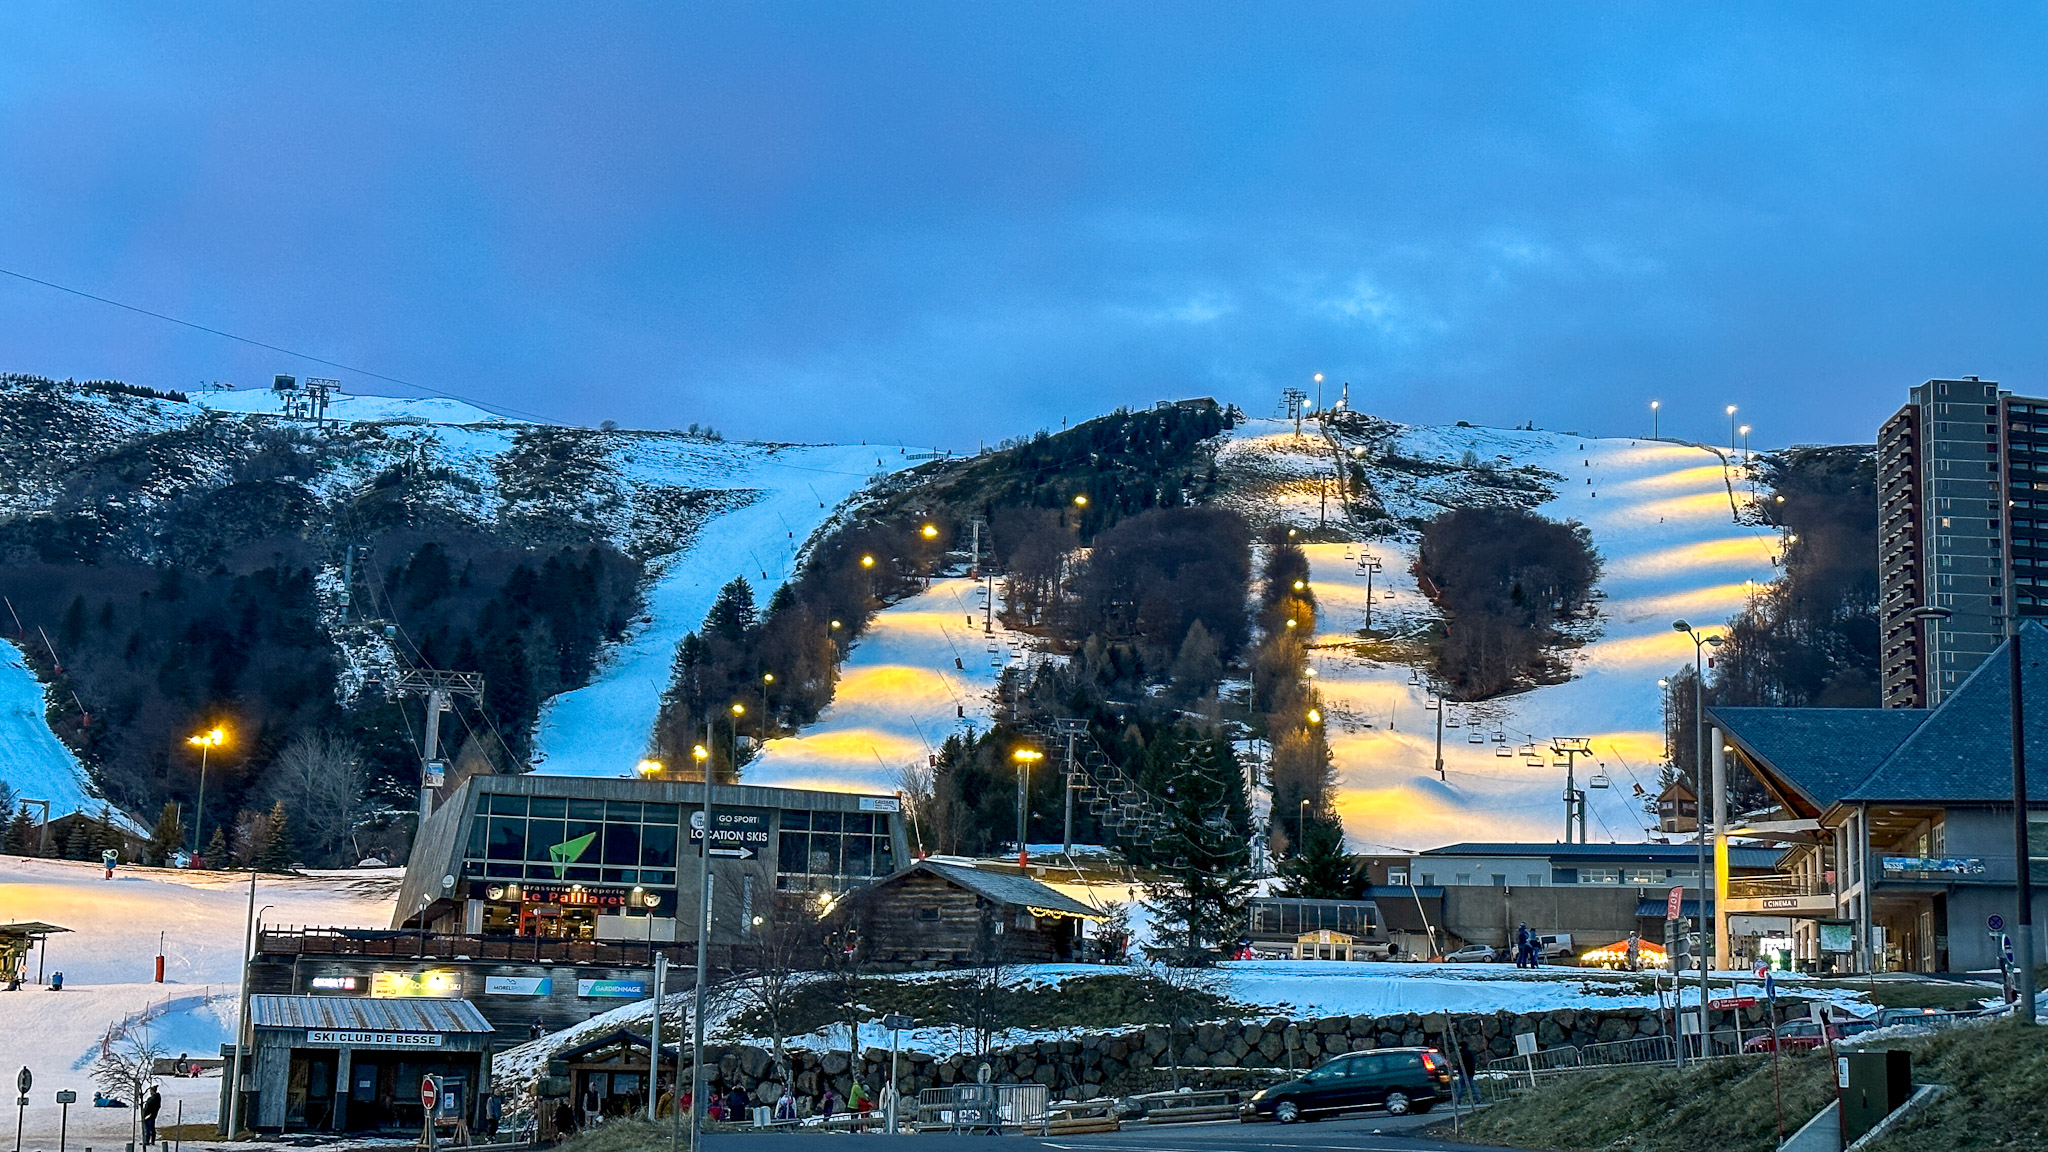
[[821, 850], [554, 840]]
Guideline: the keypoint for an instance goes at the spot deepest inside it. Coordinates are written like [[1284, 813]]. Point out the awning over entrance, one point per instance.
[[359, 1014]]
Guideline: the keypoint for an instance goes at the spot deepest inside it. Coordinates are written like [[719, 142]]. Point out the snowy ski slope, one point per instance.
[[1662, 516], [603, 728], [107, 960], [33, 761], [906, 683]]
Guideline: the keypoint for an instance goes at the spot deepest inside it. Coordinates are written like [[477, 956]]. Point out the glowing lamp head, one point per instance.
[[1081, 501], [739, 709], [1319, 377], [835, 625], [1027, 755], [930, 531], [1290, 624], [767, 677], [1731, 410], [867, 561], [1656, 403], [211, 738], [650, 767], [1299, 585], [1315, 716], [700, 752]]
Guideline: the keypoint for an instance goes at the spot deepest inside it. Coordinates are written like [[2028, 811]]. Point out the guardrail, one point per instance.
[[983, 1107], [1527, 1069]]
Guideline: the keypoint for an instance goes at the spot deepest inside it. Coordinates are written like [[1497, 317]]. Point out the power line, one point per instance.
[[262, 344]]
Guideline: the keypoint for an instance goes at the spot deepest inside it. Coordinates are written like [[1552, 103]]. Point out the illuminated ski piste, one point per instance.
[[1661, 518], [900, 693]]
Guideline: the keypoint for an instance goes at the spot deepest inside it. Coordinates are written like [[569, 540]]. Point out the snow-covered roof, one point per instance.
[[1000, 887]]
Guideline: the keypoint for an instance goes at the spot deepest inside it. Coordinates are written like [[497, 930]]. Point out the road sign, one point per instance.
[[23, 1081], [430, 1092], [1732, 1002], [734, 853], [1673, 902], [67, 1097], [896, 1022], [1995, 922]]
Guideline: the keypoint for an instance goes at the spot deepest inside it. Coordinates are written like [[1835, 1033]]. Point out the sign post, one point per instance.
[[22, 1082], [430, 1098], [64, 1102], [895, 1022]]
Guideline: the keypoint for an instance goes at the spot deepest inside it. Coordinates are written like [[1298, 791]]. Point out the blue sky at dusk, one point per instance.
[[948, 223]]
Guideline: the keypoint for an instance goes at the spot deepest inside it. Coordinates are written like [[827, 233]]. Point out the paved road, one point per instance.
[[1362, 1134]]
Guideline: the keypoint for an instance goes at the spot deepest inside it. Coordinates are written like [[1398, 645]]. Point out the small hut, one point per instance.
[[932, 915]]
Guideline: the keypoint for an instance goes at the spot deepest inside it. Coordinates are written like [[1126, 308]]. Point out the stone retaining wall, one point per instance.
[[1219, 1052]]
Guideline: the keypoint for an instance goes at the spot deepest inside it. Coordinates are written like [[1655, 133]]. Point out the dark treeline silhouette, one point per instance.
[[1504, 579]]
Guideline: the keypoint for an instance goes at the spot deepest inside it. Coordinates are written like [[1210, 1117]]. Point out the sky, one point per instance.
[[953, 223]]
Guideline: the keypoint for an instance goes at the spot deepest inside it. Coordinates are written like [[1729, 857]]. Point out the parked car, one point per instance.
[[1933, 1016], [1472, 954], [1805, 1035], [1554, 946], [1400, 1080]]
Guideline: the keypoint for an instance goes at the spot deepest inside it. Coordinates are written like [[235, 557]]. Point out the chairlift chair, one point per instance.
[[1475, 738], [1504, 752], [1600, 779]]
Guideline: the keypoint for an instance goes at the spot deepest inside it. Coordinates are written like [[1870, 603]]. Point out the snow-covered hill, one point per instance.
[[33, 761], [1663, 517]]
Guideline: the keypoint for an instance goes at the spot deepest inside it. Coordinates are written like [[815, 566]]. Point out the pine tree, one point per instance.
[[1204, 876], [217, 848], [21, 838], [277, 847], [166, 838], [78, 841], [1321, 870], [732, 615]]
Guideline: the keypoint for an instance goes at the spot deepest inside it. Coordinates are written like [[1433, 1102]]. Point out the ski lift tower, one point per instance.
[[1297, 405], [440, 688], [1565, 751]]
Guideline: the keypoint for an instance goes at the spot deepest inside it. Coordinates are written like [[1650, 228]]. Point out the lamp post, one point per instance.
[[649, 769], [1655, 406], [206, 742], [767, 679], [1025, 758], [738, 710], [1745, 443], [1731, 427], [1700, 644], [2023, 878], [242, 1016], [1301, 828]]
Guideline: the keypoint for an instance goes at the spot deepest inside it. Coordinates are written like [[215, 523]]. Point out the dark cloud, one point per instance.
[[947, 223]]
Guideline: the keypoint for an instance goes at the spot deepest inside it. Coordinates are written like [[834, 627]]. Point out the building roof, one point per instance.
[[999, 887], [1959, 752], [361, 1013], [19, 928], [1821, 753], [1644, 853]]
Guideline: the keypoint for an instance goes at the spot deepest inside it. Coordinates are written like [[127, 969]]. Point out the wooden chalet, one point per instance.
[[935, 915]]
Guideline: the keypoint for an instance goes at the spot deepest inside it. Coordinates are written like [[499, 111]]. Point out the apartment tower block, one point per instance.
[[1962, 528]]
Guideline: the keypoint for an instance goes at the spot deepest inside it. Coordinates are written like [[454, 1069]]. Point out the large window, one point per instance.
[[554, 840], [825, 849]]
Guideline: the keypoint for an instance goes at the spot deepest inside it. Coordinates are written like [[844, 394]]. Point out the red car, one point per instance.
[[1805, 1036]]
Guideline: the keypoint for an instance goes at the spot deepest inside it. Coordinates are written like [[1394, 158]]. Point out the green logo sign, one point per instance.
[[568, 852]]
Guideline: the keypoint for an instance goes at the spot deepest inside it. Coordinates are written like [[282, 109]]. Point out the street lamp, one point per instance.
[[1655, 405], [1745, 443], [649, 769], [206, 742], [1301, 828], [1081, 501], [738, 710], [1315, 716], [930, 531], [767, 678], [1731, 427], [1025, 758], [1700, 644]]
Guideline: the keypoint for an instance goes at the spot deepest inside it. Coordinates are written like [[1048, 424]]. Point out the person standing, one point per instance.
[[829, 1104], [1635, 952], [494, 1110], [593, 1106], [736, 1105], [151, 1105]]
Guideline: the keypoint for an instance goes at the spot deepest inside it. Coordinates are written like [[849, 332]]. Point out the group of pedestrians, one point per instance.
[[1528, 949]]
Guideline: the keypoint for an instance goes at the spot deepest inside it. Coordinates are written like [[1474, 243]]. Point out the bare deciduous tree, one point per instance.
[[323, 780]]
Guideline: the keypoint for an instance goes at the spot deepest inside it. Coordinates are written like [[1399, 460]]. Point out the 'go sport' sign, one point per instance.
[[379, 1039], [734, 827]]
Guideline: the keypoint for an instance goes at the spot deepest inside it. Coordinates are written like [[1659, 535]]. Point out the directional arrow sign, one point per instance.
[[735, 853]]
